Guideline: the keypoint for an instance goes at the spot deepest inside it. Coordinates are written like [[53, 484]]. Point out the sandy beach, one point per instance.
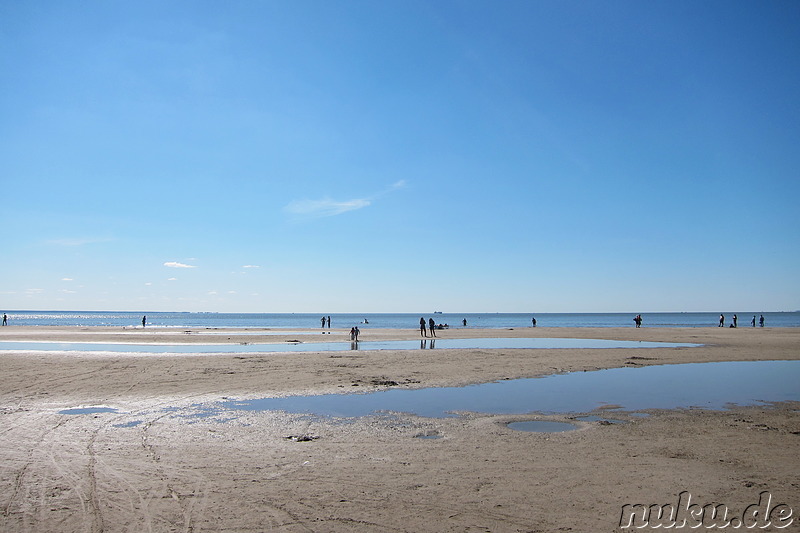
[[156, 463]]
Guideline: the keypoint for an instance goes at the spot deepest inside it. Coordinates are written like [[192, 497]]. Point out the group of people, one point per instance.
[[431, 327], [354, 332], [326, 320], [735, 321], [638, 321]]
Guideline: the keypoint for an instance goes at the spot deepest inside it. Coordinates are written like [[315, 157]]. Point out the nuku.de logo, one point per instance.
[[685, 514]]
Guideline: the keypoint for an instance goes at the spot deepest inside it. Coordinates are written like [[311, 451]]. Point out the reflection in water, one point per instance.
[[87, 410], [707, 385], [542, 426], [299, 346]]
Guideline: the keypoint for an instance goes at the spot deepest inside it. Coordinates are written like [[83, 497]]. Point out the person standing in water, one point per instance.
[[144, 320]]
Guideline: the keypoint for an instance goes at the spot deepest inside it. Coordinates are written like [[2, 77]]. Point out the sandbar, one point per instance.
[[152, 461]]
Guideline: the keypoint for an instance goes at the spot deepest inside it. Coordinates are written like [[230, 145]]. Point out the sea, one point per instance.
[[391, 320]]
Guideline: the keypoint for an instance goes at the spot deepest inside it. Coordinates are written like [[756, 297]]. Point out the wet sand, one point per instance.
[[161, 463]]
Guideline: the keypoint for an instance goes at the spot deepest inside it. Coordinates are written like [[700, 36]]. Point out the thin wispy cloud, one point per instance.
[[251, 266], [175, 264], [327, 207]]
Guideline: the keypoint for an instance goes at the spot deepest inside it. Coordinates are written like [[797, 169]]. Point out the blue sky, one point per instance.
[[400, 156]]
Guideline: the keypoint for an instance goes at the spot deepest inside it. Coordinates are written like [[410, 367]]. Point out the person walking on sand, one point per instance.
[[422, 327], [356, 331], [144, 320], [721, 321], [432, 327]]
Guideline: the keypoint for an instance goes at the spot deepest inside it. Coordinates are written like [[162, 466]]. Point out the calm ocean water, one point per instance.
[[388, 320]]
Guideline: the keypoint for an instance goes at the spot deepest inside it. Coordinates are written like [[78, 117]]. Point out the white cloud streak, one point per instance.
[[328, 207], [175, 264], [325, 207]]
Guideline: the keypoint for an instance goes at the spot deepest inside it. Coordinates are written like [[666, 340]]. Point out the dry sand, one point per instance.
[[152, 466]]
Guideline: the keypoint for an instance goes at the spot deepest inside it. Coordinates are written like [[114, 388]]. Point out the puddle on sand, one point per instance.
[[705, 385], [542, 426], [424, 344], [87, 410], [131, 424]]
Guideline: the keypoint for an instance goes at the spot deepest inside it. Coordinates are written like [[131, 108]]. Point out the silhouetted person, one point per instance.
[[721, 321], [5, 319], [761, 321], [432, 327], [422, 327], [533, 321], [464, 322], [753, 322], [144, 320], [735, 321]]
